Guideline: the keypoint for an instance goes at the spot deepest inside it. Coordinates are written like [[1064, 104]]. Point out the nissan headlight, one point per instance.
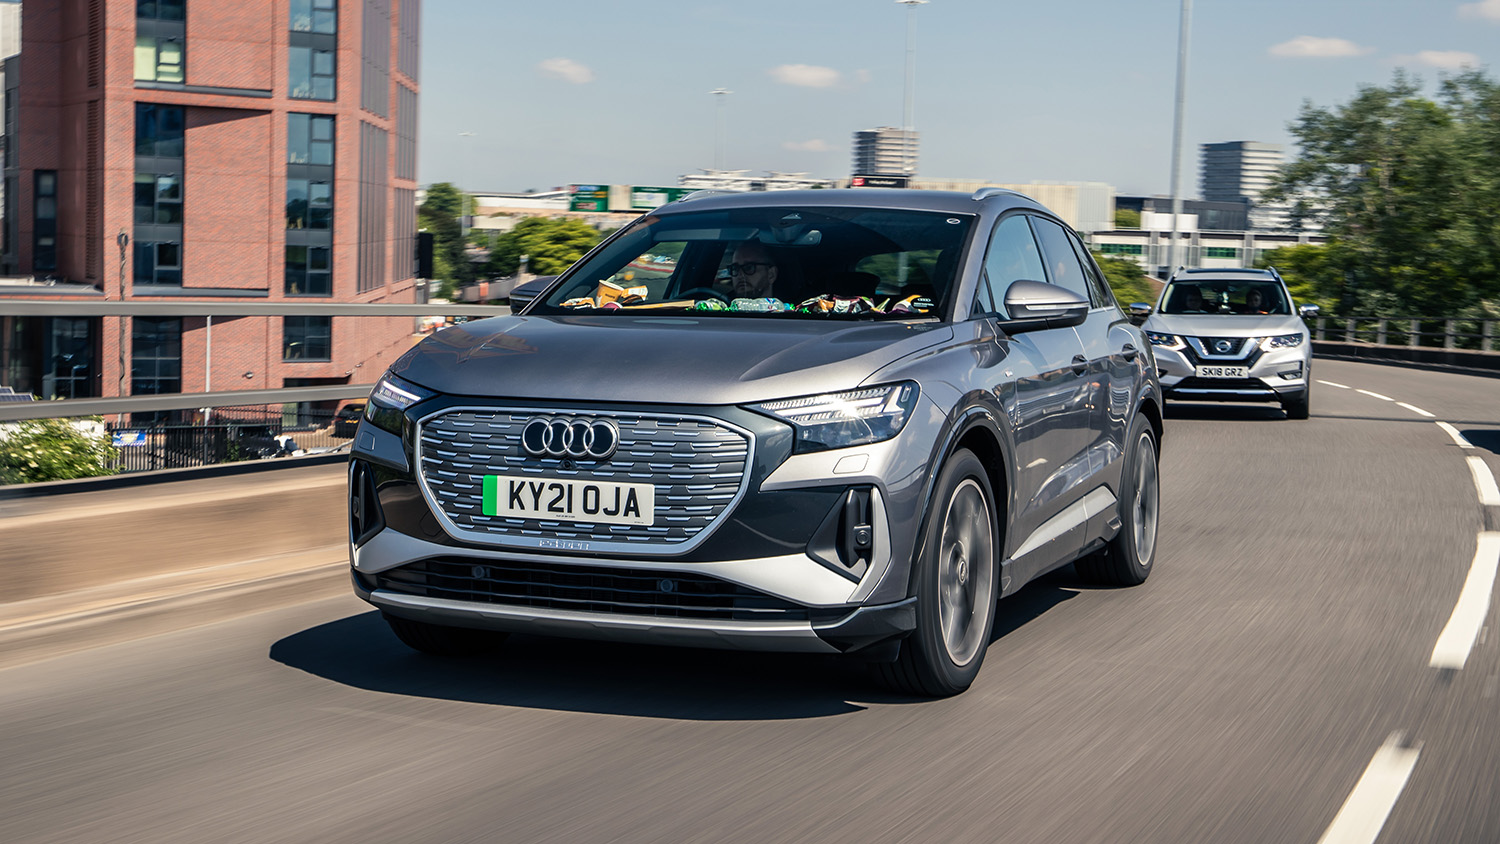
[[1166, 341], [390, 399], [840, 420], [1281, 341]]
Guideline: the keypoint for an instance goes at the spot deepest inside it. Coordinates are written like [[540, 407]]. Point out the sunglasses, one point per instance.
[[747, 268]]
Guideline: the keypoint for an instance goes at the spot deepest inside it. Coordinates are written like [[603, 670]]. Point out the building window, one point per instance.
[[159, 59], [161, 10], [309, 139], [1220, 252], [306, 338], [309, 205], [309, 271], [312, 74], [158, 130], [158, 198], [1121, 249], [158, 263], [44, 212], [319, 16], [156, 355]]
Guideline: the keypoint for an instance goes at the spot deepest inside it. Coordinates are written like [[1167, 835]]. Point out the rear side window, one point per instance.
[[1011, 256], [1063, 268]]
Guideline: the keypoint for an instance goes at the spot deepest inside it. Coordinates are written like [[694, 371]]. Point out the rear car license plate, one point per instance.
[[569, 500], [1223, 372]]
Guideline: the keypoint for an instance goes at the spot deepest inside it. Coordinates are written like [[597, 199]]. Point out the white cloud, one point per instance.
[[1311, 46], [813, 145], [1444, 59], [805, 75], [566, 70], [1484, 9]]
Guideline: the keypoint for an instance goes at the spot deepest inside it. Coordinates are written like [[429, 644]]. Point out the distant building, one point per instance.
[[1241, 171], [253, 151], [10, 45], [885, 152], [1086, 206], [741, 180]]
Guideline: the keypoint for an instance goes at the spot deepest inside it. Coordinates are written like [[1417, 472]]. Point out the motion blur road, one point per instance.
[[1274, 681]]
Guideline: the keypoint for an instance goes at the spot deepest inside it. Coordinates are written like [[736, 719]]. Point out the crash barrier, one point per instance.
[[1443, 342]]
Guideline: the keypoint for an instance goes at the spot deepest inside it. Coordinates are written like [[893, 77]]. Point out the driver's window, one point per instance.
[[1011, 256]]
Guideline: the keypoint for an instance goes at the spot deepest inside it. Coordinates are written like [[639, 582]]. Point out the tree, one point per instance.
[[1407, 189], [53, 450], [550, 246], [1310, 273], [1127, 218], [1126, 279], [439, 214]]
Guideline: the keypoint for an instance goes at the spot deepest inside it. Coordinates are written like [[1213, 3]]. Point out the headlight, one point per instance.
[[390, 399], [840, 420], [1281, 341], [1166, 341]]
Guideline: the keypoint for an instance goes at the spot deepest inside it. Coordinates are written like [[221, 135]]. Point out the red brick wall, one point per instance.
[[230, 171], [232, 43]]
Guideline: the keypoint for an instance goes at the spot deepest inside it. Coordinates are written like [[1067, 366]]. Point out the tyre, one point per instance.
[[1301, 406], [956, 582], [1126, 560], [439, 640]]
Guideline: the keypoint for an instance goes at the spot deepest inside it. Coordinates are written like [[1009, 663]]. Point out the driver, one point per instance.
[[752, 272]]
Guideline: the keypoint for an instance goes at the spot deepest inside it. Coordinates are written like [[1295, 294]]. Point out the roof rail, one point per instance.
[[706, 192], [986, 193]]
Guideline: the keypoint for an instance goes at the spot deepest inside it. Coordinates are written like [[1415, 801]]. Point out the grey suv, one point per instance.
[[1232, 335], [935, 401]]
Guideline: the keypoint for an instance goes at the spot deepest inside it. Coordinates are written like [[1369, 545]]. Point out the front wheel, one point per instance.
[[1301, 406], [955, 580], [1126, 560]]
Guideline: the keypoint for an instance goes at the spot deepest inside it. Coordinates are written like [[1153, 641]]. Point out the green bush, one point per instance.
[[53, 450]]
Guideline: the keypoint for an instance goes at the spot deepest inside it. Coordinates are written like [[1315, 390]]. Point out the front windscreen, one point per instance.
[[841, 263], [1251, 297]]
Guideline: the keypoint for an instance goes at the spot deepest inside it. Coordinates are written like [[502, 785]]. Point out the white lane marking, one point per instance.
[[1332, 384], [1375, 395], [1414, 409], [1373, 797], [1457, 437], [1457, 639], [1489, 494]]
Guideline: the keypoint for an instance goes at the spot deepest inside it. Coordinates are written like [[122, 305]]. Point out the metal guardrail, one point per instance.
[[104, 406], [1450, 333]]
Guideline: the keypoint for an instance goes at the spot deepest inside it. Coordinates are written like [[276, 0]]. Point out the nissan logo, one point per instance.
[[564, 436], [1223, 346]]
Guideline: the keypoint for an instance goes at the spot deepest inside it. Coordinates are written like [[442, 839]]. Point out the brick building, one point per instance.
[[201, 150]]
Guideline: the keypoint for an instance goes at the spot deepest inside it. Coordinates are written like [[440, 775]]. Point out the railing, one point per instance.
[[1415, 332], [177, 430]]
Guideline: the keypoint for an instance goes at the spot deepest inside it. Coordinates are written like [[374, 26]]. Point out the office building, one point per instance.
[[885, 152], [1240, 171], [188, 150]]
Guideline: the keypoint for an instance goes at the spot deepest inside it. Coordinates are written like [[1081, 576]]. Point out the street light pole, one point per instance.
[[719, 94], [1173, 257], [467, 204], [909, 165]]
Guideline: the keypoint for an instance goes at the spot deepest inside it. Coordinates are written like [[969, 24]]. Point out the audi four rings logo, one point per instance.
[[1223, 347], [553, 436]]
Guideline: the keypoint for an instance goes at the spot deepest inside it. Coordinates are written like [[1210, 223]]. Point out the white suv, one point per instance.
[[1232, 335]]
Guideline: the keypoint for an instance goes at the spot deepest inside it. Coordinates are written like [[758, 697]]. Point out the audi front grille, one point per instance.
[[698, 467]]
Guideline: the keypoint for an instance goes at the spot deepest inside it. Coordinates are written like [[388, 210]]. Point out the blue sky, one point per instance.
[[557, 92]]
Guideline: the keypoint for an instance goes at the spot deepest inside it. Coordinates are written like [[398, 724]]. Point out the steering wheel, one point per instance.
[[694, 293]]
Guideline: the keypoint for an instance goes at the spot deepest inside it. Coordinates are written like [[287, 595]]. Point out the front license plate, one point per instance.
[[1223, 372], [595, 502]]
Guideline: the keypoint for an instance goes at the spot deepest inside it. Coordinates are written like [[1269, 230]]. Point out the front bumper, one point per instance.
[[1274, 376]]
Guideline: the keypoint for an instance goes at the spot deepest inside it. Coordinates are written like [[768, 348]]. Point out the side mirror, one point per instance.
[[1138, 312], [1034, 304], [1309, 311]]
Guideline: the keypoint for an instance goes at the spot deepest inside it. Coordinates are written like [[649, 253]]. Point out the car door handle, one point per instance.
[[1129, 352], [1080, 364]]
